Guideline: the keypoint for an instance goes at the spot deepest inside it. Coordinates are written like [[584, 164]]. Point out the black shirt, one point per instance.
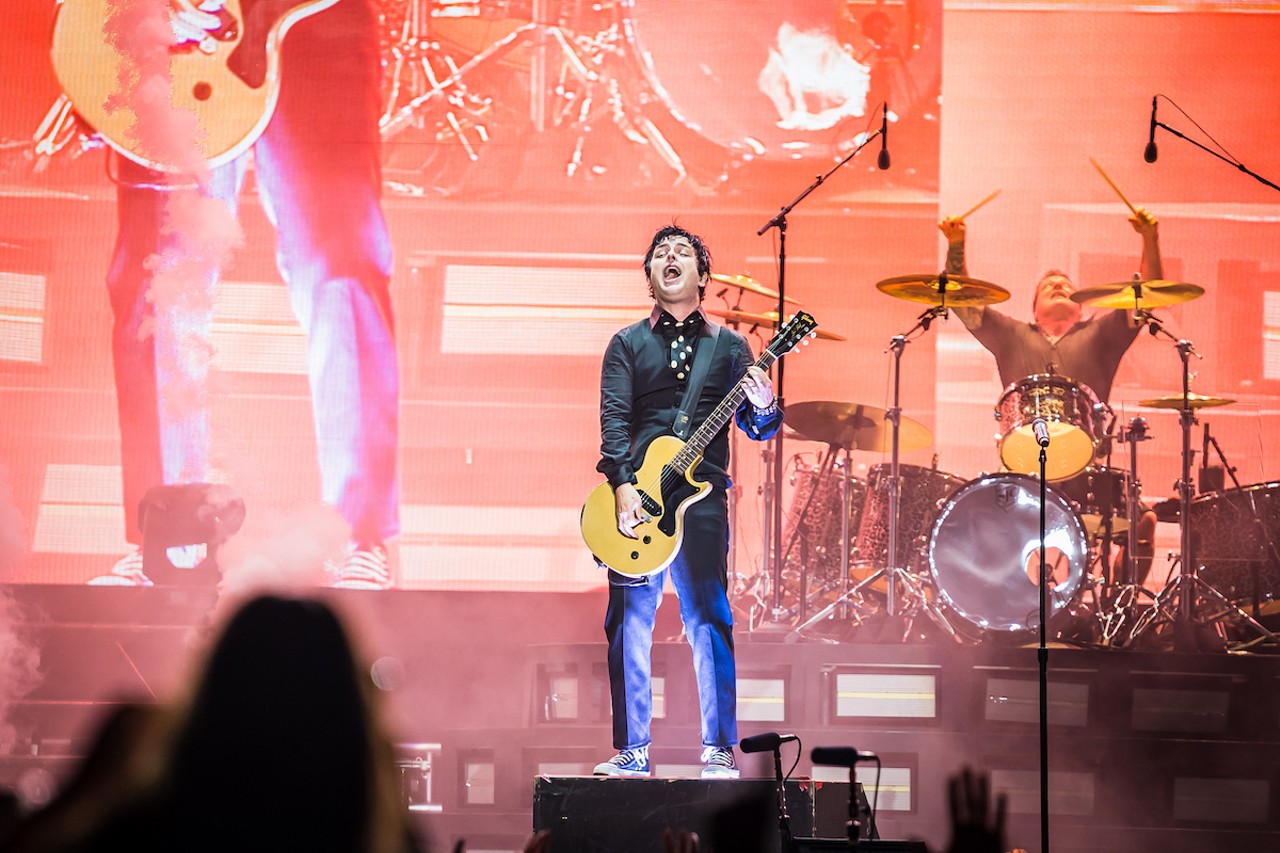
[[1089, 353], [640, 393]]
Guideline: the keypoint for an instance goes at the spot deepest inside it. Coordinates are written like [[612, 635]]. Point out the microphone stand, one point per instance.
[[773, 482], [1042, 655], [786, 841], [1239, 166]]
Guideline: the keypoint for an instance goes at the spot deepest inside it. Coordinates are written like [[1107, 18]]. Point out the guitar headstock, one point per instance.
[[797, 329]]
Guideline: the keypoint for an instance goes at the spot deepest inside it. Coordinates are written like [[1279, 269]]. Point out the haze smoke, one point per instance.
[[288, 558], [200, 231]]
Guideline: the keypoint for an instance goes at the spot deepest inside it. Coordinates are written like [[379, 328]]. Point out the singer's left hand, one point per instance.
[[759, 388]]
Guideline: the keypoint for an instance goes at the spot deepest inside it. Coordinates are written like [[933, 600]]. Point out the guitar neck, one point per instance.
[[702, 436]]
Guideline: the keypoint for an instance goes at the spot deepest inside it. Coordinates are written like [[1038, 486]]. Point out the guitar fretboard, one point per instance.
[[702, 436]]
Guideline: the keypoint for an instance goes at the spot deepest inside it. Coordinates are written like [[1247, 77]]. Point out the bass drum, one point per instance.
[[984, 553], [776, 91]]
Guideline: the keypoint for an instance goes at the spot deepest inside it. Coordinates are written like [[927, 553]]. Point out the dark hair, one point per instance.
[[699, 248]]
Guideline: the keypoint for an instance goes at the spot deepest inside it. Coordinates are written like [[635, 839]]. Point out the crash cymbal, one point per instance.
[[1174, 401], [961, 291], [1138, 295], [854, 426], [769, 318], [750, 285]]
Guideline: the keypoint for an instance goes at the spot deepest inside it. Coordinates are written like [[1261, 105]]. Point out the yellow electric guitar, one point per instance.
[[666, 483], [231, 91]]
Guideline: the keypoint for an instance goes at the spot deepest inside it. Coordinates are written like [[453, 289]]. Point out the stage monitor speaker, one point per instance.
[[830, 845], [629, 815]]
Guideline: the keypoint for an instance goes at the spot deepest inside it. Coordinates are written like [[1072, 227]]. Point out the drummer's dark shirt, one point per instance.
[[1088, 353]]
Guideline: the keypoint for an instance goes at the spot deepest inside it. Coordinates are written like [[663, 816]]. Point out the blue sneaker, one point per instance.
[[718, 763], [628, 762]]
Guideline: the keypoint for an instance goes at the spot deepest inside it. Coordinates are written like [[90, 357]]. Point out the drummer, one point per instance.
[[1059, 339]]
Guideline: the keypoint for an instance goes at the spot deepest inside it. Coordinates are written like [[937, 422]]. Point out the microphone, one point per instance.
[[840, 756], [766, 742], [1041, 430], [1149, 154], [882, 160]]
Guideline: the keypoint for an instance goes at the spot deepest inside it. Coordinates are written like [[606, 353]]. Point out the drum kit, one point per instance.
[[466, 78], [911, 543]]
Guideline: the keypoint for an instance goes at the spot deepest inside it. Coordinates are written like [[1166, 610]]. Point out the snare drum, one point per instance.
[[984, 552], [1068, 409]]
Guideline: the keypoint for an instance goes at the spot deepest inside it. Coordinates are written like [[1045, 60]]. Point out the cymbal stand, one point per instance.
[[892, 573], [1188, 587], [1125, 594]]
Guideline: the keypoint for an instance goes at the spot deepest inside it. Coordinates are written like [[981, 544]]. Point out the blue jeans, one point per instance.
[[699, 577], [319, 178]]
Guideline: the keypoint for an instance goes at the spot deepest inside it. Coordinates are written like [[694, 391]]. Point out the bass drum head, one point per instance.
[[984, 552], [777, 91]]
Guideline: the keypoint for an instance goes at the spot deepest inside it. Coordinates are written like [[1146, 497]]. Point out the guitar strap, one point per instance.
[[697, 378]]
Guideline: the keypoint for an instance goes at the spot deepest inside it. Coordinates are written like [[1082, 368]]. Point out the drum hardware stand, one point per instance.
[[773, 476], [1124, 597], [892, 572], [1188, 586], [852, 594]]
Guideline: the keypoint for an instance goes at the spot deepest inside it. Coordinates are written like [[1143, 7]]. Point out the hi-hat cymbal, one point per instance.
[[960, 290], [1194, 400], [769, 318], [854, 426], [1138, 295], [749, 284]]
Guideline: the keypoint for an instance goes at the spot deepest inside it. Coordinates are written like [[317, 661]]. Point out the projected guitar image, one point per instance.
[[229, 81], [666, 481]]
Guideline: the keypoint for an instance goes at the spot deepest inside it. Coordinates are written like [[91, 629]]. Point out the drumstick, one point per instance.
[[1111, 183], [964, 215]]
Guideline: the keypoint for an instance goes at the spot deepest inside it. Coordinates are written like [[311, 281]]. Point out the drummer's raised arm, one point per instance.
[[1152, 268], [1149, 227], [952, 227]]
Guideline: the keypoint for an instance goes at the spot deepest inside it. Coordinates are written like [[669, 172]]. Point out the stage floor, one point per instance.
[[1148, 750]]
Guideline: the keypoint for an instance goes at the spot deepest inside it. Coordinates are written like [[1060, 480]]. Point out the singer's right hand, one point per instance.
[[630, 510], [953, 229]]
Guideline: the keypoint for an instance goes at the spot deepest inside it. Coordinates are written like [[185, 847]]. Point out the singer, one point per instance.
[[1060, 340]]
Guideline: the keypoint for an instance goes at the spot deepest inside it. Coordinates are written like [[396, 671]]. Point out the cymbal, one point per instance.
[[769, 318], [1124, 294], [749, 284], [854, 426], [961, 291], [1174, 401]]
